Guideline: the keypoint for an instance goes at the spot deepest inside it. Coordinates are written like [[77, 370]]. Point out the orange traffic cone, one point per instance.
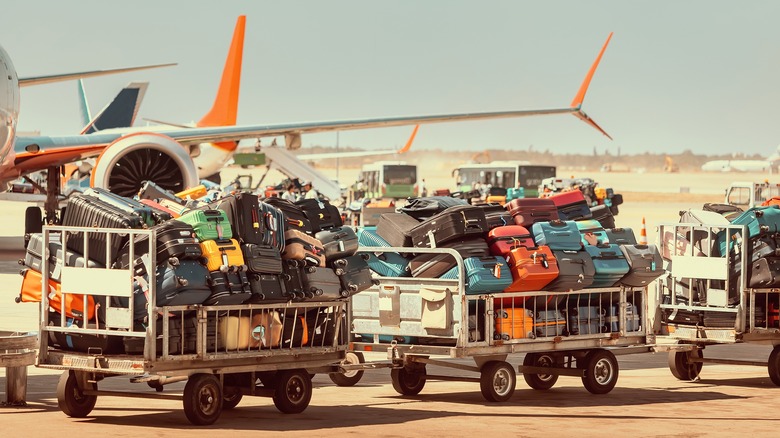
[[643, 233]]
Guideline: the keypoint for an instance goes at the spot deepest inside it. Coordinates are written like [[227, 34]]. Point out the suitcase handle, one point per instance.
[[544, 262]]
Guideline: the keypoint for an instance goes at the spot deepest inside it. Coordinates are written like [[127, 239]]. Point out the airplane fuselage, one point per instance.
[[9, 108]]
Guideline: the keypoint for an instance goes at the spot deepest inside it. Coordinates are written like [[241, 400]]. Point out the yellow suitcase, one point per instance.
[[222, 253], [196, 192]]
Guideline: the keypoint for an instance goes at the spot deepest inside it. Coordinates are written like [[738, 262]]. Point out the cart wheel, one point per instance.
[[231, 397], [774, 365], [349, 378], [155, 385], [601, 371], [407, 382], [202, 399], [293, 391], [71, 400], [497, 381], [539, 381], [268, 378], [681, 366]]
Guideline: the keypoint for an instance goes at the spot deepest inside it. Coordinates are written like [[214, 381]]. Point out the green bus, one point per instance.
[[504, 175], [388, 179]]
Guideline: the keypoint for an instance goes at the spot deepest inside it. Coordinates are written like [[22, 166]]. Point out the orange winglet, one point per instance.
[[409, 142], [577, 102]]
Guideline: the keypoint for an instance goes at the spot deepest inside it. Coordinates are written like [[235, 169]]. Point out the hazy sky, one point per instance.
[[698, 75]]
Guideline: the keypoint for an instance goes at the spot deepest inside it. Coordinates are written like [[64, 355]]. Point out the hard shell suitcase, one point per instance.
[[182, 284], [486, 274], [160, 213], [395, 228], [432, 265], [196, 192], [303, 247], [354, 273], [496, 199], [621, 236], [33, 258], [558, 235], [549, 323], [454, 223], [267, 288], [127, 205], [209, 224], [253, 221], [592, 233], [610, 264], [764, 273], [228, 288], [527, 211], [575, 271], [175, 239], [262, 259], [645, 265], [585, 320], [321, 325], [292, 280], [632, 318], [514, 323], [496, 215], [153, 192], [294, 217], [604, 215], [174, 207], [504, 239], [367, 236], [32, 286], [759, 220], [338, 242], [321, 214], [234, 332], [385, 264], [532, 268], [429, 206], [220, 253], [323, 283], [571, 205]]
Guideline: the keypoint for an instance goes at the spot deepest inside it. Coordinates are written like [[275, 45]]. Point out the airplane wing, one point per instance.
[[39, 80]]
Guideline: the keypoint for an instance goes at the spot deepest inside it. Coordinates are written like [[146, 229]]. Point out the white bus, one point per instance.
[[503, 175], [389, 179]]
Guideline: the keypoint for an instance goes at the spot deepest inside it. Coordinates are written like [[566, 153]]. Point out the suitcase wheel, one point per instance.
[[365, 256], [182, 281], [174, 261], [345, 294], [318, 292], [224, 269], [375, 282], [339, 271], [353, 288]]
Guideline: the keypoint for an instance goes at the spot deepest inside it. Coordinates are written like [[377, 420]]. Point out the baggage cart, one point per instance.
[[702, 302], [447, 323], [287, 342]]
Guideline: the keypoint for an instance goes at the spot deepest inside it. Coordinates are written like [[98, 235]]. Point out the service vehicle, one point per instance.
[[504, 175], [746, 194], [387, 179]]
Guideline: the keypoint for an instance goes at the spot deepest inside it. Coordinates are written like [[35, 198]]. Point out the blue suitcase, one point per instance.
[[484, 274], [610, 264], [598, 235], [558, 235], [632, 318], [388, 264]]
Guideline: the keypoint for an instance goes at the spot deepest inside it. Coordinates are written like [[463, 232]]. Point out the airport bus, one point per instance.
[[503, 175], [388, 179]]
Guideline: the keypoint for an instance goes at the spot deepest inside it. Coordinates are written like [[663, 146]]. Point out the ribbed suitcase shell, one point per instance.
[[645, 265], [323, 283], [514, 323], [598, 233], [558, 235], [303, 247], [527, 211], [454, 223], [174, 239], [354, 273], [532, 269], [127, 205], [294, 218], [610, 264], [432, 265], [395, 228], [384, 264], [265, 259], [503, 239], [488, 274], [222, 253], [209, 224], [575, 271], [339, 242], [571, 205], [228, 288]]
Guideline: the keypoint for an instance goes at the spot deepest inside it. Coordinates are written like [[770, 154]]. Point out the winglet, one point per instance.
[[409, 142], [225, 109], [577, 102]]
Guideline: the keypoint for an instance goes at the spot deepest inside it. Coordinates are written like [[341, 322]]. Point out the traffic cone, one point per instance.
[[643, 233]]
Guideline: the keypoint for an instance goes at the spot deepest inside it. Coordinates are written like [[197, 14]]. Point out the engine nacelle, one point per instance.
[[292, 141], [145, 156]]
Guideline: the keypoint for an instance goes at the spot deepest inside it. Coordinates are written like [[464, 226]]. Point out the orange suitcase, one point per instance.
[[514, 323], [74, 303], [532, 268]]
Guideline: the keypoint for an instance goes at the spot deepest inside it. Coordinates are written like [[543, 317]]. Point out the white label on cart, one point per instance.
[[385, 303]]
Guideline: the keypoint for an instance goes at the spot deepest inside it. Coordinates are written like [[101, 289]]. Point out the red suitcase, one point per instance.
[[571, 205], [527, 211], [506, 238]]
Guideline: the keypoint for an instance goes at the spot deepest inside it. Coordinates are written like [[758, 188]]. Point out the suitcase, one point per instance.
[[175, 239], [267, 289], [604, 215], [532, 268], [266, 328], [234, 332], [764, 273], [585, 320], [385, 264], [321, 325], [177, 208], [321, 214], [504, 239], [719, 319], [294, 218], [183, 284], [196, 192], [354, 273], [209, 224], [728, 211], [253, 221], [454, 223], [262, 259], [515, 193], [558, 235], [84, 342], [759, 220], [83, 211], [683, 317], [621, 236], [134, 345], [292, 281], [549, 323], [303, 247], [33, 258], [496, 199], [645, 265], [592, 233], [488, 274], [632, 318], [222, 255], [128, 206], [427, 207], [571, 205], [610, 264], [575, 271], [395, 228], [295, 332], [160, 213], [323, 283], [432, 265], [338, 243], [514, 324], [152, 192], [496, 215], [228, 288], [527, 211], [32, 286]]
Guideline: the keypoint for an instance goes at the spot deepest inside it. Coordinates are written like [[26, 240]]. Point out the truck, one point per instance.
[[746, 194]]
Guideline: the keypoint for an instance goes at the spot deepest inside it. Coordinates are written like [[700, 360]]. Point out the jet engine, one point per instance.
[[132, 159]]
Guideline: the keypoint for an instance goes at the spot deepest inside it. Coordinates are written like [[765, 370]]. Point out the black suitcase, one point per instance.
[[262, 259], [185, 283], [621, 236], [321, 325], [394, 228], [496, 215], [175, 239], [575, 271], [83, 211], [433, 265], [338, 242], [603, 214], [149, 215], [228, 288], [719, 319], [294, 217], [682, 316], [323, 283], [426, 207], [354, 273], [253, 221], [267, 288], [321, 214], [764, 273], [459, 222], [83, 342], [292, 279], [295, 332]]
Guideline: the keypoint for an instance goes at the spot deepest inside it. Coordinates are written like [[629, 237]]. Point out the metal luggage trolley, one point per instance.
[[442, 320], [274, 358], [702, 302]]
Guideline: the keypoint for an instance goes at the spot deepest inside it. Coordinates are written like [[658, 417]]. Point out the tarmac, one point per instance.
[[728, 400]]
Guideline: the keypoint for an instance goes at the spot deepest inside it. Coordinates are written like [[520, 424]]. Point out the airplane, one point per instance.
[[768, 164], [168, 154]]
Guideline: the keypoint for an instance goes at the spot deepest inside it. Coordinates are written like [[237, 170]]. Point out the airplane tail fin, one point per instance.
[[225, 109], [576, 103], [121, 112], [409, 142]]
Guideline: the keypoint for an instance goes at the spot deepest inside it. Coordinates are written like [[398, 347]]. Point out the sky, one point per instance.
[[697, 75]]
